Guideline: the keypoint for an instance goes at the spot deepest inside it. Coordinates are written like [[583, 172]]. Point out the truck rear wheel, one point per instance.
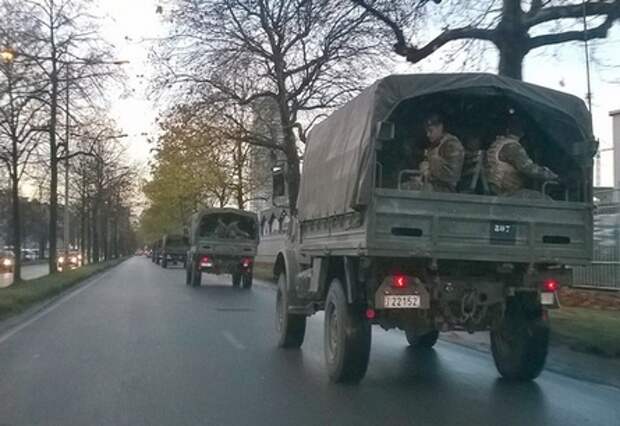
[[247, 280], [427, 340], [520, 343], [291, 328], [196, 277], [347, 337], [236, 279]]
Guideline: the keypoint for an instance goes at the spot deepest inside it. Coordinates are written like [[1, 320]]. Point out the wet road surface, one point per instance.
[[135, 346]]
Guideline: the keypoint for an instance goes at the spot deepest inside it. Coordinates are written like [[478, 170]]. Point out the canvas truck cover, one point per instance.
[[197, 219], [339, 156]]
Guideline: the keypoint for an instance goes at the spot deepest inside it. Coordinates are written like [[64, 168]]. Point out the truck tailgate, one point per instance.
[[474, 227]]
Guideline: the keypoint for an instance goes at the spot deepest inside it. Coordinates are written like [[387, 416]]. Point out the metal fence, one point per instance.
[[604, 272]]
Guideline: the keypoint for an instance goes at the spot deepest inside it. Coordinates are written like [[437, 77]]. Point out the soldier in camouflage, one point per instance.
[[441, 170], [509, 165]]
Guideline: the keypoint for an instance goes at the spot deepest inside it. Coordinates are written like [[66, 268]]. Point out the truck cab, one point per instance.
[[368, 250]]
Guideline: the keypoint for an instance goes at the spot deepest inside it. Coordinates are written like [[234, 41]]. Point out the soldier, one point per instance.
[[509, 165], [444, 157]]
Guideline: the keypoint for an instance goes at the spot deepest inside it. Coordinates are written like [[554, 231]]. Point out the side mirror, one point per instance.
[[386, 131]]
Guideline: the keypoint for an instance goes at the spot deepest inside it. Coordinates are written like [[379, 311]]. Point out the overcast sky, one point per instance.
[[130, 25]]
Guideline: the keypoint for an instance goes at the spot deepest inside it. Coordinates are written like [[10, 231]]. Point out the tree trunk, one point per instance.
[[512, 41], [239, 167], [95, 234], [511, 62], [89, 238], [17, 243]]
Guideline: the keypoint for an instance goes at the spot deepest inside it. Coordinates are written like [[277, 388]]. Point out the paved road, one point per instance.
[[138, 347], [28, 272]]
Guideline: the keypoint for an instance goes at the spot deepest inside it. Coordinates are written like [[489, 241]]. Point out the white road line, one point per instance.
[[233, 340], [49, 309]]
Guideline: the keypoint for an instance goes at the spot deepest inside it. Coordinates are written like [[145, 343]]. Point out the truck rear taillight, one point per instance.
[[246, 262], [206, 262], [551, 285], [400, 281]]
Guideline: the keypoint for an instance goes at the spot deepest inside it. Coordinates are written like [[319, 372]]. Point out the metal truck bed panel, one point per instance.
[[473, 227], [226, 248]]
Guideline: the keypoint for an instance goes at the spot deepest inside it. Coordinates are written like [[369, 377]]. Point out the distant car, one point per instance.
[[69, 260], [7, 261], [29, 255]]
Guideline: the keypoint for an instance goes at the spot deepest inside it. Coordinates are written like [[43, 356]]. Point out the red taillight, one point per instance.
[[246, 262], [205, 261], [551, 285], [399, 281], [370, 313]]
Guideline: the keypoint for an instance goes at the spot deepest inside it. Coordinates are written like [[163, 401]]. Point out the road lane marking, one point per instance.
[[233, 340], [50, 308]]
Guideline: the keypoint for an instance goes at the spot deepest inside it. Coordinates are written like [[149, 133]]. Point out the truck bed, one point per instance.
[[457, 226]]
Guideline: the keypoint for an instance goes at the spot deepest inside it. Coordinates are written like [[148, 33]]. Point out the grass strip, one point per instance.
[[19, 297], [587, 330]]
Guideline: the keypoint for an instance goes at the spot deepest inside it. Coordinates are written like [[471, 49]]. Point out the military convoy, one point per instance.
[[222, 241], [367, 251]]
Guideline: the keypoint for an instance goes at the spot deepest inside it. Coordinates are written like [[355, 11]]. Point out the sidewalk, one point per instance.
[[561, 359]]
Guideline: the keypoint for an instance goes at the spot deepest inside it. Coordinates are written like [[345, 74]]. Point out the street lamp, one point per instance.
[[7, 55]]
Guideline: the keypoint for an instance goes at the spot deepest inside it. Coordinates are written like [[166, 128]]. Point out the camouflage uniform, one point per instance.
[[445, 164], [509, 166], [442, 167]]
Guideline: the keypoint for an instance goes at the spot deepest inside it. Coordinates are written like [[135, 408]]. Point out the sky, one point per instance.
[[132, 25]]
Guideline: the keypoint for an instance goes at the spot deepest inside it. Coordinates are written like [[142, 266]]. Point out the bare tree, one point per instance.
[[21, 116], [71, 53], [303, 56], [514, 27]]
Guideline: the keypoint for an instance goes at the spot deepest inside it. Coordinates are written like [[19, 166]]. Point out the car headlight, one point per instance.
[[73, 259], [61, 259], [7, 262]]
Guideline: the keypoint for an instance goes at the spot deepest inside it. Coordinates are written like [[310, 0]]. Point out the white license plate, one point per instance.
[[401, 302], [547, 298]]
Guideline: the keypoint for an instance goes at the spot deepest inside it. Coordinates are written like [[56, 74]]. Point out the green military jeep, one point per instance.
[[222, 241], [367, 250]]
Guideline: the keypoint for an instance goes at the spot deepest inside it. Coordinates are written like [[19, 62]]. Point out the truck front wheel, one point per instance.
[[347, 337], [291, 328], [427, 340], [520, 343]]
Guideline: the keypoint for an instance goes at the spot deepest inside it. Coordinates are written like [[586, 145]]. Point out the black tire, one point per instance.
[[188, 275], [196, 277], [164, 262], [236, 279], [347, 337], [246, 280], [520, 344], [427, 340], [291, 328]]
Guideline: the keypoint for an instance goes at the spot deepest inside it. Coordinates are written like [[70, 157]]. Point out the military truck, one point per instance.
[[174, 249], [222, 241], [367, 251]]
